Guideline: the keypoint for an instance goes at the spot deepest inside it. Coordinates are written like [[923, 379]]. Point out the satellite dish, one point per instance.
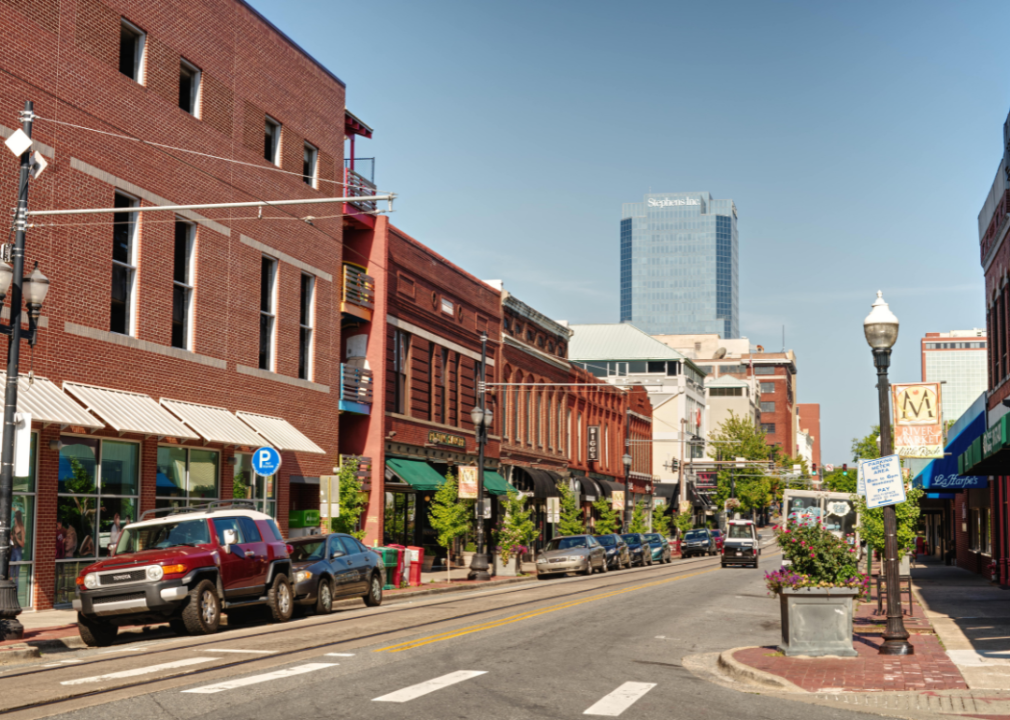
[[719, 354]]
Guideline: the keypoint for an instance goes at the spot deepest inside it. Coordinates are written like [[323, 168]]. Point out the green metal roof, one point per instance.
[[416, 473], [617, 341]]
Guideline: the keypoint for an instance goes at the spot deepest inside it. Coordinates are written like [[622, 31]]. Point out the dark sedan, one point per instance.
[[697, 542], [639, 548], [660, 548], [329, 567], [618, 555]]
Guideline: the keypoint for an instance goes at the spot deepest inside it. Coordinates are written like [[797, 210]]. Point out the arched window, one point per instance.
[[528, 436]]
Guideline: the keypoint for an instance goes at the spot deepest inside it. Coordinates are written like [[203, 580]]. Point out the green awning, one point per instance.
[[496, 484], [417, 473]]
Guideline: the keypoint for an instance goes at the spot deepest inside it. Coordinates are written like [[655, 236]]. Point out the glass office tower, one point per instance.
[[679, 265]]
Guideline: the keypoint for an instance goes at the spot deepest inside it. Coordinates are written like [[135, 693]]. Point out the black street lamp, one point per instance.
[[881, 330], [31, 291], [627, 497], [482, 418]]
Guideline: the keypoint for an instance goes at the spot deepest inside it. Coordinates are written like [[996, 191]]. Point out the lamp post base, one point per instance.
[[479, 567], [10, 627], [896, 646]]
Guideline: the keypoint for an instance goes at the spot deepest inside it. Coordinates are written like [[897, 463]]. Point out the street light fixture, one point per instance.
[[881, 330], [482, 418], [627, 497]]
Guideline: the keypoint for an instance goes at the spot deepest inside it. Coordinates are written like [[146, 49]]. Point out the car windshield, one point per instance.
[[632, 538], [654, 537], [716, 533], [163, 535], [696, 535], [740, 532], [566, 543], [607, 540], [309, 550]]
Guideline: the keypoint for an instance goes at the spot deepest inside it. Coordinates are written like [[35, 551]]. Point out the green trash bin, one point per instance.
[[389, 560]]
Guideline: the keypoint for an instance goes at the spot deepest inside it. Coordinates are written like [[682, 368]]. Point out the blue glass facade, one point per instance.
[[679, 265]]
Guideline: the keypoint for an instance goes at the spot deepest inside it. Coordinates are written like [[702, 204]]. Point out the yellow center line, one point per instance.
[[400, 647]]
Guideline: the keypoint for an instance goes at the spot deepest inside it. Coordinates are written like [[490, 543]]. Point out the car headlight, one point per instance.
[[541, 561], [611, 552], [576, 558], [302, 575], [90, 581], [155, 572]]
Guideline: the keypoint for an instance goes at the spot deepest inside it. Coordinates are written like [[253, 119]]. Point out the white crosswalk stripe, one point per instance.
[[255, 679], [429, 686], [138, 671], [620, 700]]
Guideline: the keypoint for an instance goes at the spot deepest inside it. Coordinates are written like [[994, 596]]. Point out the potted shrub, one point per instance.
[[816, 591], [513, 536]]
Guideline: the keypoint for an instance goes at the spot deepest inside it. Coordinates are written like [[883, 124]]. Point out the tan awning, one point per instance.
[[213, 424], [279, 433], [129, 412], [50, 405]]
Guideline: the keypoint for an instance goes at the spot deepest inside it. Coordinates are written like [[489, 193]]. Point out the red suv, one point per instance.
[[185, 568]]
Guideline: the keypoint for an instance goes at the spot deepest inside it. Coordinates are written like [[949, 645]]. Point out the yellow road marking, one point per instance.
[[449, 634]]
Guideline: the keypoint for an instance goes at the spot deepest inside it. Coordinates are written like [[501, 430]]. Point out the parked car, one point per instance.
[[571, 553], [697, 542], [720, 538], [618, 555], [638, 547], [660, 548], [185, 568], [328, 567], [741, 546]]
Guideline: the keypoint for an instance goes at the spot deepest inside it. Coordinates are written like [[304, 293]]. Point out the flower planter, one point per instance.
[[505, 569], [817, 621], [905, 565]]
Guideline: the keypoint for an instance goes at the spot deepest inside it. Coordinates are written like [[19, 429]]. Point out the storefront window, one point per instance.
[[247, 485], [99, 485], [399, 525], [186, 476], [23, 531]]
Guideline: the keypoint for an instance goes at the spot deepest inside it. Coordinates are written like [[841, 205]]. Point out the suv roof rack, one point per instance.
[[202, 507]]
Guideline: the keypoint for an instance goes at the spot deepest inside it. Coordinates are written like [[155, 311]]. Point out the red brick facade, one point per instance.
[[810, 420]]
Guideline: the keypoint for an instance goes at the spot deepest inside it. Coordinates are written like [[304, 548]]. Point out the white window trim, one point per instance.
[[198, 89], [131, 301], [187, 328], [310, 369], [278, 139], [140, 62], [314, 176]]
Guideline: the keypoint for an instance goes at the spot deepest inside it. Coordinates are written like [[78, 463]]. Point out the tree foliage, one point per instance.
[[352, 501], [517, 529], [450, 517], [866, 448], [608, 521], [683, 522], [843, 481], [661, 522], [639, 523], [871, 521], [571, 521]]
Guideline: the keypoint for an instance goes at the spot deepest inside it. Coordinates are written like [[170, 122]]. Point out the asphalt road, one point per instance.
[[609, 646]]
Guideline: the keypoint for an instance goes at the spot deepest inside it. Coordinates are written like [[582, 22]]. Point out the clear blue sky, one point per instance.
[[858, 140]]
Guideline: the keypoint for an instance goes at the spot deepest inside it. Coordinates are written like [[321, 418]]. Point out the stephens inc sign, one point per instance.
[[669, 202]]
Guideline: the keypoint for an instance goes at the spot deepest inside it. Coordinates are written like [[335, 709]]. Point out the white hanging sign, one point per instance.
[[884, 484]]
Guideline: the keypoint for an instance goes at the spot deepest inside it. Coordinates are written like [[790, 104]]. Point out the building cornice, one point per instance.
[[520, 308], [519, 344], [994, 248]]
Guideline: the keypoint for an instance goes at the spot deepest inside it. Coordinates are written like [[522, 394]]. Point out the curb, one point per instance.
[[745, 673], [16, 653]]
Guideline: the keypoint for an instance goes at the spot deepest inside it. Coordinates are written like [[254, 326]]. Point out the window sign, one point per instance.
[[593, 444]]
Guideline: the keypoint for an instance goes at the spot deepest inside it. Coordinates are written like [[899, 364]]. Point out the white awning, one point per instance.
[[129, 412], [213, 424], [281, 434], [50, 405]]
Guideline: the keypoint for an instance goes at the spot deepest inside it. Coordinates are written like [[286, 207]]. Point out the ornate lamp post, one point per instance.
[[482, 419], [627, 497], [881, 330]]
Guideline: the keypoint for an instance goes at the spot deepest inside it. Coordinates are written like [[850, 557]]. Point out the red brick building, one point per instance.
[[190, 338], [776, 375], [810, 421]]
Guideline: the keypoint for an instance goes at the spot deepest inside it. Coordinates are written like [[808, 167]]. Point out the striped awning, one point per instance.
[[213, 424], [129, 412], [47, 404], [279, 433]]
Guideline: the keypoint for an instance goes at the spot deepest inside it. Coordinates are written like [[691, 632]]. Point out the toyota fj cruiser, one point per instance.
[[186, 568]]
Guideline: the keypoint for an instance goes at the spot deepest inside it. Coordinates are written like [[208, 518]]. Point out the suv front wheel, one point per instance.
[[279, 599], [202, 614], [96, 633]]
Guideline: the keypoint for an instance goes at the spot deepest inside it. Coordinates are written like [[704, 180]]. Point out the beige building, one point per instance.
[[728, 394]]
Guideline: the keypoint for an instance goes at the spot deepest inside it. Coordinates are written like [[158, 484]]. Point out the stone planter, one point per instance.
[[905, 565], [505, 569], [467, 558], [817, 621]]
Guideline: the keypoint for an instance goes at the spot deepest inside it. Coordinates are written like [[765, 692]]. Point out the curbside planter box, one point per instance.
[[505, 569], [817, 621]]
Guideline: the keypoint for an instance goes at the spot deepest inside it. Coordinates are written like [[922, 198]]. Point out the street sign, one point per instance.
[[829, 468], [884, 484], [553, 510], [860, 480], [468, 482], [329, 496], [918, 429], [266, 461], [593, 443], [618, 499]]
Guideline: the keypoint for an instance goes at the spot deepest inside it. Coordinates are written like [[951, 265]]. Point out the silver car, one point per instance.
[[573, 553]]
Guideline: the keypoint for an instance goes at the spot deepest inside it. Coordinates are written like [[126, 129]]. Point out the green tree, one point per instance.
[[608, 521], [517, 528], [661, 522], [571, 521], [639, 523], [739, 437], [352, 501], [866, 448], [871, 521], [843, 481], [683, 522], [449, 516]]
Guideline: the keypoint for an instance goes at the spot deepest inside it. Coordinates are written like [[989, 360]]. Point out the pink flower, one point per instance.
[[811, 554]]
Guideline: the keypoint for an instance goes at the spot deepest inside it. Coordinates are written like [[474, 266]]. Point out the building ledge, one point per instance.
[[277, 377], [131, 342]]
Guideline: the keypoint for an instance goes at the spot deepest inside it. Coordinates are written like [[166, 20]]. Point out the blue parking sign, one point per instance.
[[266, 461]]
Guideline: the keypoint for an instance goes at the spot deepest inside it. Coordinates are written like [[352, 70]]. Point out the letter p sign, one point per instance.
[[266, 461]]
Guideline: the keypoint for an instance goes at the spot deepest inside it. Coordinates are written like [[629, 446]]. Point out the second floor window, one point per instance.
[[189, 88], [305, 324], [768, 428], [182, 285], [767, 407], [401, 346], [268, 318], [272, 141], [124, 265], [767, 388], [310, 156], [131, 51]]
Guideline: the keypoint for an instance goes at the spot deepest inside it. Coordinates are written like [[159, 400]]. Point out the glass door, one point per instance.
[[248, 485]]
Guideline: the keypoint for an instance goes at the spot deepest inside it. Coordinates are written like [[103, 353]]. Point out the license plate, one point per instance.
[[739, 553]]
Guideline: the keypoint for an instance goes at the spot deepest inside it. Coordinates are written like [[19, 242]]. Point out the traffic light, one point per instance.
[[845, 469]]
